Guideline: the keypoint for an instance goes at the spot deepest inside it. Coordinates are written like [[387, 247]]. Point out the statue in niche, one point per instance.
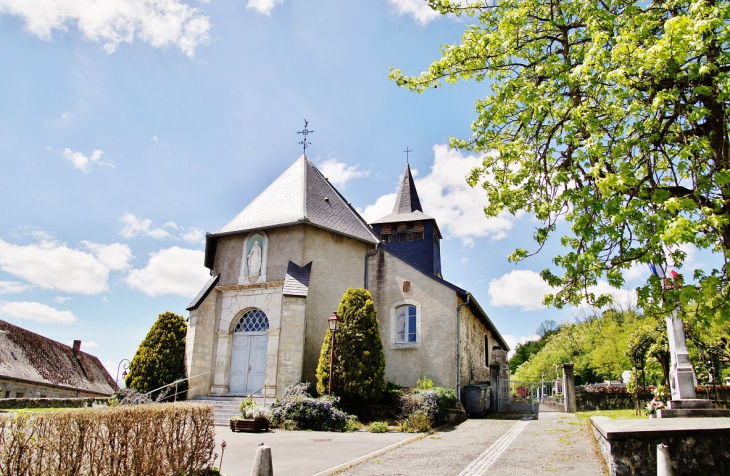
[[254, 261]]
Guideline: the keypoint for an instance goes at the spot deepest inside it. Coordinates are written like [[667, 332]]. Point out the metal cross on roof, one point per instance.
[[407, 151], [305, 132]]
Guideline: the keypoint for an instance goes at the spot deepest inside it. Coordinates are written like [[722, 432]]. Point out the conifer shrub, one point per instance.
[[359, 365], [160, 358]]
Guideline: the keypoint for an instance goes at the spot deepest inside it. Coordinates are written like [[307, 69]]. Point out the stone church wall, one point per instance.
[[200, 345], [338, 264], [291, 342], [474, 362], [434, 355]]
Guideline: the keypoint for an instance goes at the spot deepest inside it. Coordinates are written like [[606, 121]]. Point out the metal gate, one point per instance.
[[526, 397]]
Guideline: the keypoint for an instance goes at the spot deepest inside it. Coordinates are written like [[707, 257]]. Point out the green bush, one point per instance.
[[359, 366], [378, 427], [305, 412], [424, 383], [434, 403], [160, 358], [416, 422], [353, 425]]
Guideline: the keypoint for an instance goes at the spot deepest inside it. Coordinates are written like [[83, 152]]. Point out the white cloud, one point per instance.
[[67, 116], [160, 23], [418, 9], [519, 288], [35, 311], [445, 195], [622, 298], [12, 287], [637, 271], [465, 260], [339, 173], [195, 235], [83, 163], [62, 299], [134, 226], [171, 271], [155, 138], [52, 265], [171, 224], [263, 6], [115, 256], [512, 342]]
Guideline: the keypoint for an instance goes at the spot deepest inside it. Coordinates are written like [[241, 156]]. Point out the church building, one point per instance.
[[279, 269]]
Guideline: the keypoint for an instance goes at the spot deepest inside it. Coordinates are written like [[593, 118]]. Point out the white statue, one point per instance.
[[254, 261]]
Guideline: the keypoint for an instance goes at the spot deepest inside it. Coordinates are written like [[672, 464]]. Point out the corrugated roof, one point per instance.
[[28, 356], [203, 293], [296, 282], [301, 195]]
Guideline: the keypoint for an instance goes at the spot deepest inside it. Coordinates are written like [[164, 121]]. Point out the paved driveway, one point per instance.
[[550, 443]]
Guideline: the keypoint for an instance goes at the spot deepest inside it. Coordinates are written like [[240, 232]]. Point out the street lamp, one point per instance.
[[124, 372], [333, 321]]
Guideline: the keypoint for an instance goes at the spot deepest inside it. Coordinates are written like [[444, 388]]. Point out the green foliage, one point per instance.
[[353, 425], [246, 404], [416, 422], [160, 359], [523, 352], [378, 427], [434, 403], [424, 383], [359, 367], [612, 116]]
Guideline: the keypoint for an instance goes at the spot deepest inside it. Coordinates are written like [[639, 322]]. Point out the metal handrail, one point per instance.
[[176, 382]]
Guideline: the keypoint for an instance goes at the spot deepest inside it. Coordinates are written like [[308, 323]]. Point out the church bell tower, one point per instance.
[[410, 232]]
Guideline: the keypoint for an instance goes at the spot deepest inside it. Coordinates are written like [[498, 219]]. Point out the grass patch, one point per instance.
[[612, 414], [36, 410]]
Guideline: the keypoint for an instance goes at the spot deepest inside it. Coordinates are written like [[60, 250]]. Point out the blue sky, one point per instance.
[[129, 128]]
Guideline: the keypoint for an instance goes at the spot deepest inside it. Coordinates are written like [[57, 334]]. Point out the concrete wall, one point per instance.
[[12, 388], [435, 353], [338, 264], [200, 345]]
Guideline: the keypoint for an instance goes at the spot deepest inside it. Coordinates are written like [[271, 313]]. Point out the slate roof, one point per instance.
[[28, 356], [203, 293], [473, 304], [301, 195], [407, 204], [296, 282]]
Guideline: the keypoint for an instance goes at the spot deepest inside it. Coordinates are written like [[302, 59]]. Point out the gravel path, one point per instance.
[[549, 443]]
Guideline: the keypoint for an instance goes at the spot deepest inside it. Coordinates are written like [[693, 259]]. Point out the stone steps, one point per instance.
[[225, 406]]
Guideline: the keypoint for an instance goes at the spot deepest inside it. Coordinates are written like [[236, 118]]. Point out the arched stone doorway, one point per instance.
[[248, 353]]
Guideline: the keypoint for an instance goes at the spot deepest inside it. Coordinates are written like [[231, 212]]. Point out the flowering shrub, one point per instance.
[[296, 406], [416, 422], [435, 403], [655, 405]]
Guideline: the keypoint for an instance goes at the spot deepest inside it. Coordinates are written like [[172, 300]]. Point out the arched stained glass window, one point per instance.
[[253, 320]]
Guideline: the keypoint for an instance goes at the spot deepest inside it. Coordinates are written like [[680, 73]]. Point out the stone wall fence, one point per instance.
[[16, 403], [617, 397]]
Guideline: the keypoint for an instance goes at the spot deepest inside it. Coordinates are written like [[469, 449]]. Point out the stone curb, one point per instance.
[[362, 459]]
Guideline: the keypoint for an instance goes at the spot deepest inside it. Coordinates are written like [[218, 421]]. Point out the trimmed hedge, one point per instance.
[[150, 440]]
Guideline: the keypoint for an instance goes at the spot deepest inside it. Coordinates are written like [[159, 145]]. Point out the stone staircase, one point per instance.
[[226, 406]]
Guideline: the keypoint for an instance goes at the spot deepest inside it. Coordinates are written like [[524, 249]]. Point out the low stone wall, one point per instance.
[[696, 445], [15, 403]]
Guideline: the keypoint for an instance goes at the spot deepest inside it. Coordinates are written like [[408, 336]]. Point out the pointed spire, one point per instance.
[[407, 199]]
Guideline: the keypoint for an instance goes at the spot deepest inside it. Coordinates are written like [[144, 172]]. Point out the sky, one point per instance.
[[130, 128]]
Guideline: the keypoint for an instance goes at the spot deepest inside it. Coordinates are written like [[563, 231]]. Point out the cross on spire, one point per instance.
[[305, 132], [407, 151]]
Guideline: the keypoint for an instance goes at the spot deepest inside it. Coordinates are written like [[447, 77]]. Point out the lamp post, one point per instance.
[[124, 372], [332, 321]]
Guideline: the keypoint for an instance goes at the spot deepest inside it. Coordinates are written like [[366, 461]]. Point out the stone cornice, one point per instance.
[[247, 287]]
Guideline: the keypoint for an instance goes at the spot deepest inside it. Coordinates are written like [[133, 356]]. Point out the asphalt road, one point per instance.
[[547, 443]]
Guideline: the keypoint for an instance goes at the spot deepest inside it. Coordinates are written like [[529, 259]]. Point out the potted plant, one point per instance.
[[254, 418]]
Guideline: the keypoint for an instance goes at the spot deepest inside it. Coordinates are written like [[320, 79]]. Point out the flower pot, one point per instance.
[[252, 425]]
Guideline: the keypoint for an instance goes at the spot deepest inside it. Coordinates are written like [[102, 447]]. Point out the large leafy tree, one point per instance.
[[160, 358], [359, 366], [611, 114]]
